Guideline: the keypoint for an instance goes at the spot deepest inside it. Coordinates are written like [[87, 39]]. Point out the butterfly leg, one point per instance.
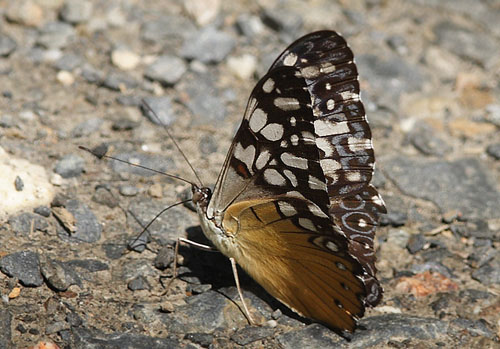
[[237, 281], [191, 243]]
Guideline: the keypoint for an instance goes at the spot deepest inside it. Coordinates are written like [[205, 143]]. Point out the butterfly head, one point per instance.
[[201, 196]]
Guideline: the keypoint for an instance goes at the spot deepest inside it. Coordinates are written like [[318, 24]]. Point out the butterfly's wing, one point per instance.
[[294, 193]]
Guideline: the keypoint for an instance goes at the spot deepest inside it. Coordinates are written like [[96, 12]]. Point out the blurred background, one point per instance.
[[74, 73]]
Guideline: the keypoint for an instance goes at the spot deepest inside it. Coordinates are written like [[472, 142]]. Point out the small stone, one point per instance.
[[493, 150], [68, 62], [282, 20], [394, 218], [19, 184], [25, 12], [208, 45], [398, 237], [489, 273], [162, 108], [58, 275], [7, 45], [66, 78], [416, 243], [16, 291], [398, 43], [128, 190], [91, 265], [87, 127], [249, 25], [119, 82], [25, 266], [55, 35], [138, 283], [204, 101], [203, 11], [24, 223], [156, 190], [76, 11], [104, 197], [125, 59], [43, 211], [450, 216], [243, 66], [251, 334], [426, 140], [54, 328], [88, 228], [56, 179], [164, 258], [70, 166], [424, 284], [166, 69], [92, 75]]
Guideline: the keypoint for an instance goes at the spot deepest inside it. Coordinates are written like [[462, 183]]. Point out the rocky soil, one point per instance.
[[74, 73]]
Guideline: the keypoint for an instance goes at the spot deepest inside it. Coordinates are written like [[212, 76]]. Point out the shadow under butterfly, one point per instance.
[[293, 204]]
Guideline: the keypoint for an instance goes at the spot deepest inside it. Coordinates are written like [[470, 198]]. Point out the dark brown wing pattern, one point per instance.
[[294, 193]]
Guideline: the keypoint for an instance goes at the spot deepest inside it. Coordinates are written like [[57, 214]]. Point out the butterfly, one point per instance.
[[293, 204]]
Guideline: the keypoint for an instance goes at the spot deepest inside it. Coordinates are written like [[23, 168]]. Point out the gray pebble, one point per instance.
[[25, 266], [166, 69], [282, 20], [76, 11], [92, 265], [128, 190], [164, 258], [104, 197], [56, 327], [166, 29], [494, 150], [208, 45], [117, 81], [92, 74], [43, 211], [68, 62], [55, 35], [18, 184], [251, 334], [162, 108], [138, 283], [7, 45], [249, 25], [489, 273], [59, 275], [70, 166], [416, 243], [24, 222], [88, 228]]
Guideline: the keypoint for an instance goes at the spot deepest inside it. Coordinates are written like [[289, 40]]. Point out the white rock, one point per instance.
[[203, 11], [125, 59], [65, 78], [243, 66], [37, 190]]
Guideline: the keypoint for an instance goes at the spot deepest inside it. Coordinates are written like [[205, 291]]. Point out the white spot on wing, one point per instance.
[[330, 104], [289, 174], [290, 59], [258, 120], [315, 183], [349, 95], [359, 144], [245, 155], [353, 176], [273, 132], [268, 86], [306, 223], [294, 139], [273, 177], [325, 145], [287, 209], [362, 223], [330, 165], [332, 246], [287, 103], [294, 161], [328, 128], [262, 159]]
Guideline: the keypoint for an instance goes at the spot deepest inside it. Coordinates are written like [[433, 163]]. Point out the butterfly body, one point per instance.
[[293, 205]]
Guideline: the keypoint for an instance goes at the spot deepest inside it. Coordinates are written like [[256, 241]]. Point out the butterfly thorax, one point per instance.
[[212, 226]]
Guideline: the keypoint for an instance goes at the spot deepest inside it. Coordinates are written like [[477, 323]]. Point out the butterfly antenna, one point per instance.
[[139, 241], [102, 155], [148, 107]]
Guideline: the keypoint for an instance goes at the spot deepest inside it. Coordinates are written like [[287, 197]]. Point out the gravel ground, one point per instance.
[[74, 72]]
